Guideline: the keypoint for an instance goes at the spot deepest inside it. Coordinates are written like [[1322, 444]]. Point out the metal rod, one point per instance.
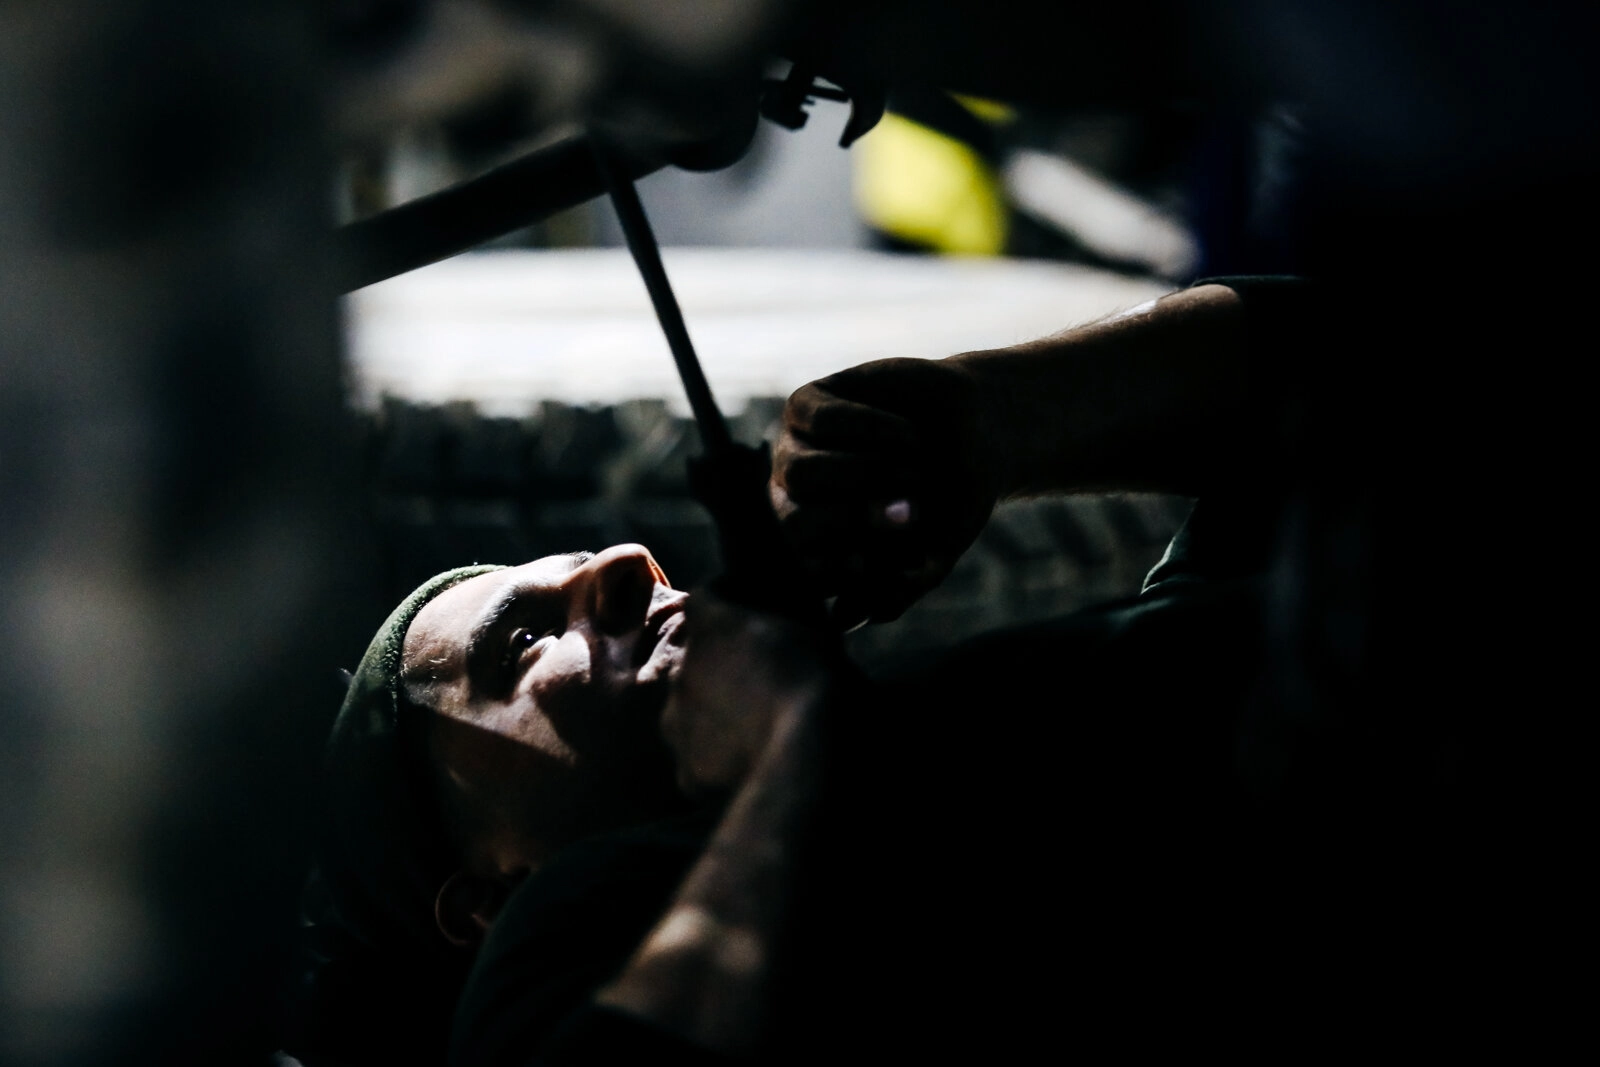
[[443, 224], [647, 255]]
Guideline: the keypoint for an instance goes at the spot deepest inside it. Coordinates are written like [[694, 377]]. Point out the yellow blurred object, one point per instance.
[[991, 111], [925, 188]]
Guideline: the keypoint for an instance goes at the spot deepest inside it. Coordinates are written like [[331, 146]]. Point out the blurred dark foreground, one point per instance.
[[183, 559]]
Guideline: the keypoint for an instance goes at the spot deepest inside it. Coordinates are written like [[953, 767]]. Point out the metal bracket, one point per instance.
[[785, 102]]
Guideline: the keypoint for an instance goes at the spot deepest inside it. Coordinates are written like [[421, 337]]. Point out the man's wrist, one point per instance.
[[996, 441]]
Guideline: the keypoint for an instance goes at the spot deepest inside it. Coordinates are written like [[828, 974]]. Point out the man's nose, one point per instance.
[[620, 584]]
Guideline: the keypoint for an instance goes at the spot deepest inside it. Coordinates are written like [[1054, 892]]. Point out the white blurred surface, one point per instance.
[[509, 329]]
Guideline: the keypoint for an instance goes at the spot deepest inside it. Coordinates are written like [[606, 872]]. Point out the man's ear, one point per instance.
[[466, 906]]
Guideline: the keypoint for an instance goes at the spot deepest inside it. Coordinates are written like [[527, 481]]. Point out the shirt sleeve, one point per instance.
[[1232, 531], [1281, 328]]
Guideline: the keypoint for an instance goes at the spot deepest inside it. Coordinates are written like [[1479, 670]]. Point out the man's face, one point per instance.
[[548, 681]]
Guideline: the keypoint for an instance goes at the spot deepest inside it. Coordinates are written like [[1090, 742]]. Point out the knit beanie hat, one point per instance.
[[383, 853]]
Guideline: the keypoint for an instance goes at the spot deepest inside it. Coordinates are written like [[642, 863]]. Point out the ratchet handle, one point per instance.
[[760, 570]]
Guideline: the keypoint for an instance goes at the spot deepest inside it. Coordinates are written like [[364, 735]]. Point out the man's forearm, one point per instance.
[[1157, 399], [706, 972]]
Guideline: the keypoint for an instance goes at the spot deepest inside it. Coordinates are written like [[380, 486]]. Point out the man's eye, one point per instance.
[[522, 639]]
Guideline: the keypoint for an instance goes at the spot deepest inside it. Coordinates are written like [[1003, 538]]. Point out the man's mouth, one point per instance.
[[664, 618]]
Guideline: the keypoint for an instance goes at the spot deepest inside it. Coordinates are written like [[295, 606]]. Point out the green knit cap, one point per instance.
[[384, 855]]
